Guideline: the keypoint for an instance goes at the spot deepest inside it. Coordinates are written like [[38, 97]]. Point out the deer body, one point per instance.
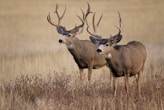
[[85, 55], [123, 60], [127, 59], [83, 51]]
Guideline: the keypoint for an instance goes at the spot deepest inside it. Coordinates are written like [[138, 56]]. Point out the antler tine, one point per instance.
[[99, 20], [89, 31], [93, 22], [120, 21], [119, 32], [49, 20], [79, 28], [82, 13], [59, 17], [119, 28], [80, 19], [88, 11], [94, 29], [83, 19], [57, 13], [63, 12], [94, 35]]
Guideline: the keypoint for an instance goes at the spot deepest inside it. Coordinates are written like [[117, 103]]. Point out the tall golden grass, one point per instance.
[[38, 73]]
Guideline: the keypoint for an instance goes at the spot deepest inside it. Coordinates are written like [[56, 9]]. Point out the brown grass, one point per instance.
[[37, 73], [61, 91]]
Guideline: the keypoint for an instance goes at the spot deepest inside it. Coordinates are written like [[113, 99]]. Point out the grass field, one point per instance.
[[38, 73]]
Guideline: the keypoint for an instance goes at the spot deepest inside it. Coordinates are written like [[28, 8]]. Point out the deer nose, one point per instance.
[[60, 41], [99, 50]]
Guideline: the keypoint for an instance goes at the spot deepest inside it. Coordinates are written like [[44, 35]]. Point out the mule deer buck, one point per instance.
[[123, 60], [83, 51]]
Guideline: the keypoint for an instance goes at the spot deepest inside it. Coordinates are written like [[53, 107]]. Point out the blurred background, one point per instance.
[[29, 44]]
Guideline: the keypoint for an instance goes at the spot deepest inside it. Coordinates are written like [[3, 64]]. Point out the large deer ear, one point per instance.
[[94, 40], [77, 30], [115, 39], [62, 30]]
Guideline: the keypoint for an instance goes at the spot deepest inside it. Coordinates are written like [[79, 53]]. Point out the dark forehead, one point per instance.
[[103, 41]]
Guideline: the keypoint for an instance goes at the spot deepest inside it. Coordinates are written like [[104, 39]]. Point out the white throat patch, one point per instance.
[[109, 55], [70, 46]]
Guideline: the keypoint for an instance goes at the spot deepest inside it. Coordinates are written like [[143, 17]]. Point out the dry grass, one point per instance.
[[65, 92], [36, 73]]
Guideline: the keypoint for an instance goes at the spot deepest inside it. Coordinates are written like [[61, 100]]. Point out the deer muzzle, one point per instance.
[[60, 41], [99, 50]]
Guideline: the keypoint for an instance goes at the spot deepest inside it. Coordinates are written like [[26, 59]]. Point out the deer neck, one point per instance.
[[112, 57], [109, 54], [75, 43], [75, 46], [114, 61]]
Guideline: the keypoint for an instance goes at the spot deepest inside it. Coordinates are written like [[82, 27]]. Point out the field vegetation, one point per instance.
[[37, 73]]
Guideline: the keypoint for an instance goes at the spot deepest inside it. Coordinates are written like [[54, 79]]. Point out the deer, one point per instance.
[[83, 51], [123, 60]]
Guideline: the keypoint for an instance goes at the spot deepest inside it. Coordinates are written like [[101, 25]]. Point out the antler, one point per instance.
[[116, 38], [94, 26], [87, 13], [49, 20], [60, 29], [59, 17], [83, 19], [119, 28]]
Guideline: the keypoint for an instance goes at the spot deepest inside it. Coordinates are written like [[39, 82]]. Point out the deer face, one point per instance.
[[66, 39], [105, 45]]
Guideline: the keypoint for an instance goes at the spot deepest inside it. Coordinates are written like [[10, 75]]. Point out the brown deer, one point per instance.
[[83, 51], [123, 60]]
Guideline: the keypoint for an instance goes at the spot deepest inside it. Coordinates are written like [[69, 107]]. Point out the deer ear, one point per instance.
[[80, 30], [77, 30], [62, 30], [94, 40], [115, 39]]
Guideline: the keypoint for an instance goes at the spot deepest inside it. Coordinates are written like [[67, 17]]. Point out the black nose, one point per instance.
[[98, 50], [60, 41]]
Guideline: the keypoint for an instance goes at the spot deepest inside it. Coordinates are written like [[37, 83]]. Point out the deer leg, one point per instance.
[[127, 83], [111, 78], [90, 67], [135, 76], [114, 86], [89, 74], [81, 73], [138, 83]]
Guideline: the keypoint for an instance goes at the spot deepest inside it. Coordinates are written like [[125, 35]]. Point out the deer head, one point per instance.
[[104, 45], [68, 35]]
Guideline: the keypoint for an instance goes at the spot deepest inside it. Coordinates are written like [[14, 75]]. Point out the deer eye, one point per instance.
[[107, 44], [69, 35]]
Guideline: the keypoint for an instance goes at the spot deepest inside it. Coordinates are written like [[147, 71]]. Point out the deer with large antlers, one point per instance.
[[83, 51], [123, 60]]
